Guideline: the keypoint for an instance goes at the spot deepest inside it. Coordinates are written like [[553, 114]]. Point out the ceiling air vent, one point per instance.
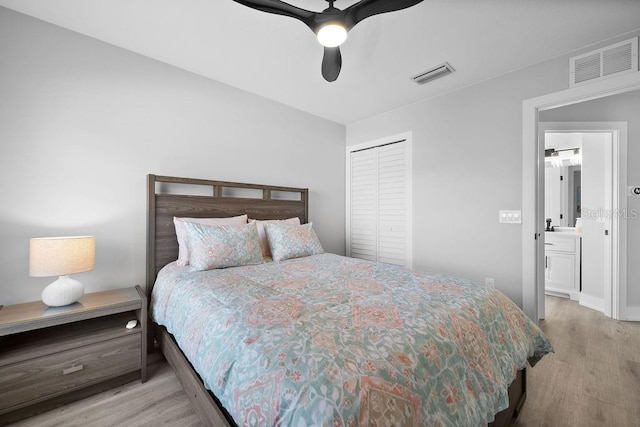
[[434, 73], [611, 61]]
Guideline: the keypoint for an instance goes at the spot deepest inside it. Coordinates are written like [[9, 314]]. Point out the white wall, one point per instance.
[[467, 160], [82, 123], [621, 108]]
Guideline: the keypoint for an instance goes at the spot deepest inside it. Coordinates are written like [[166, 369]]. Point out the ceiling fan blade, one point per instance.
[[366, 8], [281, 8], [331, 63]]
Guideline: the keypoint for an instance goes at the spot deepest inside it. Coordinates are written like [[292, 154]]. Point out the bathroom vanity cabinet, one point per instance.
[[562, 264]]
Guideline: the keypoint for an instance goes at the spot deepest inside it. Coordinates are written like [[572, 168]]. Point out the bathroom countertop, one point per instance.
[[564, 234]]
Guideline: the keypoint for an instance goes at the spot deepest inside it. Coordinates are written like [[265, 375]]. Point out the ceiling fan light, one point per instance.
[[332, 35]]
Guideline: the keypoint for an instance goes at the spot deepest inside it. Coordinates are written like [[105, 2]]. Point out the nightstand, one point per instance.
[[50, 356]]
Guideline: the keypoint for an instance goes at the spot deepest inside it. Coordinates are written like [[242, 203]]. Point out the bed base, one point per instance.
[[212, 414], [517, 396], [204, 402]]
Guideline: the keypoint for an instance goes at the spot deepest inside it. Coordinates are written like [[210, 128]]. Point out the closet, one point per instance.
[[378, 199]]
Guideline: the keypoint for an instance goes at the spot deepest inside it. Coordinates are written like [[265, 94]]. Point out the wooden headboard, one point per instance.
[[199, 198]]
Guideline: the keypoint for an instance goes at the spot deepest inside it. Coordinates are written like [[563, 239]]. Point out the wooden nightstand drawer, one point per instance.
[[47, 376], [50, 356]]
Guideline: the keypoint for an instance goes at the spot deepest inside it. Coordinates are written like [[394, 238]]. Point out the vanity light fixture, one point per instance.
[[564, 157]]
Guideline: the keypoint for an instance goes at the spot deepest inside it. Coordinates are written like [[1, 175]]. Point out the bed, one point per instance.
[[325, 339]]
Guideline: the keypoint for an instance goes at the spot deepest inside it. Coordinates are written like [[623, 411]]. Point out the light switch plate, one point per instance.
[[510, 217]]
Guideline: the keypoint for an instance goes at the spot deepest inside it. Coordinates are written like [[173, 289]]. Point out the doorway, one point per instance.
[[533, 211], [580, 181]]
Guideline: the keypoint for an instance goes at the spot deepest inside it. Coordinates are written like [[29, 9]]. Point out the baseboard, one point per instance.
[[591, 302], [574, 296], [633, 313]]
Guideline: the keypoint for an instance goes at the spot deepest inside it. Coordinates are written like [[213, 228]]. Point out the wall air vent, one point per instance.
[[611, 61], [434, 73]]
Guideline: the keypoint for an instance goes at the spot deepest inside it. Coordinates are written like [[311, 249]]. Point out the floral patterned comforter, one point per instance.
[[332, 341]]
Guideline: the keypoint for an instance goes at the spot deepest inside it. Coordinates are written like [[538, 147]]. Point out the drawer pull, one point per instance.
[[548, 243], [72, 369]]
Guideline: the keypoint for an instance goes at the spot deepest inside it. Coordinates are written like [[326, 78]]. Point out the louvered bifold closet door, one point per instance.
[[392, 204], [378, 223], [364, 202]]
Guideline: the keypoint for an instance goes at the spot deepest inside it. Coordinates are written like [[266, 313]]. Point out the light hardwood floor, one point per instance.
[[592, 379], [160, 401]]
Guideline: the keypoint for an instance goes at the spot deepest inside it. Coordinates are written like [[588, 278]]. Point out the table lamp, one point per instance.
[[60, 256]]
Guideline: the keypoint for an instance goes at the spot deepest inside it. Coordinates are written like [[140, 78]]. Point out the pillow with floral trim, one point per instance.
[[264, 245], [292, 241], [220, 246], [181, 234]]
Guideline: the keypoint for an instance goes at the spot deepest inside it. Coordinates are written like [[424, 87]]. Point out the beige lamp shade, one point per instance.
[[59, 256]]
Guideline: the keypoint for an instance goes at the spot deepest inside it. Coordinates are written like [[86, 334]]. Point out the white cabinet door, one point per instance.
[[560, 270]]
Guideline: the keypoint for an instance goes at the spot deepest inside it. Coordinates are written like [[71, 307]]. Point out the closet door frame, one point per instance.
[[408, 138]]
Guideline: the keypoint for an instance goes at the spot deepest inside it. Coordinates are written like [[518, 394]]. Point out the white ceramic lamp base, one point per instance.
[[63, 291]]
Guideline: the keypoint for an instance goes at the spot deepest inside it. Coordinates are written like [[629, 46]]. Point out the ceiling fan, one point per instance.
[[332, 24]]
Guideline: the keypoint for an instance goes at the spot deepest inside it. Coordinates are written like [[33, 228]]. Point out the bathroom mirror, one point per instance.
[[563, 176], [563, 195]]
